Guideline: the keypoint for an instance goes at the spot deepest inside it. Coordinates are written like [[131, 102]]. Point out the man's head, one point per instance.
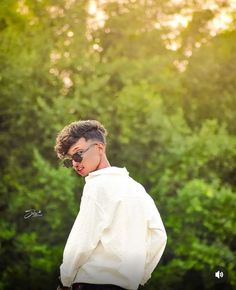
[[83, 143]]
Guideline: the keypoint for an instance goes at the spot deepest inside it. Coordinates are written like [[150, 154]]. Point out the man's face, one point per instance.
[[91, 151]]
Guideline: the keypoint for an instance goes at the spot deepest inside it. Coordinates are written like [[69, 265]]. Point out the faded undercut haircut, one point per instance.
[[69, 135]]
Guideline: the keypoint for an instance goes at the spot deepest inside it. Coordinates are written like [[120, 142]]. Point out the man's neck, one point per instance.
[[104, 163]]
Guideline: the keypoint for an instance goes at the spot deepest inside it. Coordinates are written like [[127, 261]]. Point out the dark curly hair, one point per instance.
[[69, 135]]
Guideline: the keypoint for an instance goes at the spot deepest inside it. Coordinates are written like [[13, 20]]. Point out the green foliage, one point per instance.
[[202, 224], [36, 243], [210, 82]]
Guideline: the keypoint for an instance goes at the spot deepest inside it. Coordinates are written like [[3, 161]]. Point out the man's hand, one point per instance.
[[61, 287]]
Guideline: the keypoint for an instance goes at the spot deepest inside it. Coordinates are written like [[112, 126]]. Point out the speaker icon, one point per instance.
[[219, 274]]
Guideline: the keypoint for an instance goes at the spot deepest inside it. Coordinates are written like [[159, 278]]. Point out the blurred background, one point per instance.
[[161, 76]]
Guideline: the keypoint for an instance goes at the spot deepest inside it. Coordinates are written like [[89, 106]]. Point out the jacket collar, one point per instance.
[[108, 170]]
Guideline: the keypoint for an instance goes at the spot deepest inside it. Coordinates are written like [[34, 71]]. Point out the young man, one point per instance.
[[118, 236]]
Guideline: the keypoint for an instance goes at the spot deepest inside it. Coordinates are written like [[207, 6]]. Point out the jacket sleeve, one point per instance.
[[83, 239], [156, 242]]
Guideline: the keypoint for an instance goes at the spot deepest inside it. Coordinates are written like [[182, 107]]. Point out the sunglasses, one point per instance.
[[77, 157]]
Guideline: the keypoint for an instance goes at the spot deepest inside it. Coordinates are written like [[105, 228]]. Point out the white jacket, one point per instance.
[[118, 236]]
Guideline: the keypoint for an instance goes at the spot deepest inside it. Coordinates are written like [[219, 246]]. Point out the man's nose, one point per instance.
[[75, 164]]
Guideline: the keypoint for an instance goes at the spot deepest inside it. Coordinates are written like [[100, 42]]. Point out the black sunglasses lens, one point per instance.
[[77, 157], [67, 163]]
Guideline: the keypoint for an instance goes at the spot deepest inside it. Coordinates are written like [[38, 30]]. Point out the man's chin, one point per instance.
[[82, 173]]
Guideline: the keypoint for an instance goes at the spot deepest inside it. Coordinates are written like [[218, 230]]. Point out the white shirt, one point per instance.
[[118, 236]]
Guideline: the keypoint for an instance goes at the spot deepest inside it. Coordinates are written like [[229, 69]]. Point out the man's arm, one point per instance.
[[156, 242], [156, 245], [61, 286], [83, 239]]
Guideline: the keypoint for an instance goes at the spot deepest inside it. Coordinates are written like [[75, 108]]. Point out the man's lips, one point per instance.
[[80, 170]]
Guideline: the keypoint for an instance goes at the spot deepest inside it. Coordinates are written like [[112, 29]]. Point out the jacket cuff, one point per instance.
[[61, 285]]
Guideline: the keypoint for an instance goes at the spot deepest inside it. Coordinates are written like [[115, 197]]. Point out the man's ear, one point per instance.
[[101, 147]]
